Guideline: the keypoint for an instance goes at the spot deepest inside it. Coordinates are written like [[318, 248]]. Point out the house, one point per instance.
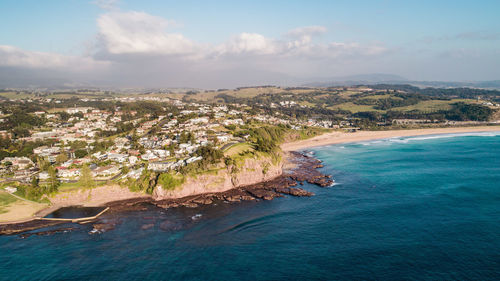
[[106, 171], [120, 158], [161, 153], [149, 155], [135, 174], [43, 135], [64, 172], [18, 162], [74, 110], [43, 176], [132, 160], [193, 159], [161, 166], [223, 138], [100, 156], [10, 189]]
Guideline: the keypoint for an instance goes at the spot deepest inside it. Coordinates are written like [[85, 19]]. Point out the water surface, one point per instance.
[[423, 208]]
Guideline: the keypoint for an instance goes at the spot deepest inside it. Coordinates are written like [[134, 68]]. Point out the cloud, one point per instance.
[[140, 33], [249, 43], [15, 57], [134, 49]]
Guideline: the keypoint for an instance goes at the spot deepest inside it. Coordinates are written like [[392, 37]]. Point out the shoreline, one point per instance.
[[338, 137], [290, 152], [300, 168]]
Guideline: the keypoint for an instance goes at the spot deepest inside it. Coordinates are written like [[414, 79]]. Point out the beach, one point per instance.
[[343, 137]]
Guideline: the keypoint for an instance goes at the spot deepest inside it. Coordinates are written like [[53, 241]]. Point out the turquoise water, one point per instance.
[[423, 208]]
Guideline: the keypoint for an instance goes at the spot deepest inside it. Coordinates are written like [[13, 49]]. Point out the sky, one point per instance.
[[223, 44]]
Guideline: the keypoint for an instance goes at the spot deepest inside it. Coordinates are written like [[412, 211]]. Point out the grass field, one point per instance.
[[5, 200], [13, 209], [378, 97], [432, 105], [237, 148], [354, 107], [428, 105], [67, 186]]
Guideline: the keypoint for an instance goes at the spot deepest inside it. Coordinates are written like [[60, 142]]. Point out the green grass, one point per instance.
[[378, 97], [14, 95], [237, 148], [5, 200], [67, 186], [432, 105], [354, 108]]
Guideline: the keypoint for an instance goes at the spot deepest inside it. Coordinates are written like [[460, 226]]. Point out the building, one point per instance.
[[18, 162]]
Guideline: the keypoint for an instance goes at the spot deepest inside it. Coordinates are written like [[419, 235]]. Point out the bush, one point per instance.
[[169, 181]]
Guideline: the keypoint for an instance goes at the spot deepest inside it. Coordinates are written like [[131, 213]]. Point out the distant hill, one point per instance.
[[378, 78]]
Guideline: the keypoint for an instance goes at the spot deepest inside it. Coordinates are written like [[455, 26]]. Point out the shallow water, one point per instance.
[[75, 212], [423, 208]]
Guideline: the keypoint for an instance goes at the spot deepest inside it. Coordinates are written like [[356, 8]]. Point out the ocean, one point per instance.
[[416, 208]]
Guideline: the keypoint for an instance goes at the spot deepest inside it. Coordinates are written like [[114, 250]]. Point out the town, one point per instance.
[[52, 143]]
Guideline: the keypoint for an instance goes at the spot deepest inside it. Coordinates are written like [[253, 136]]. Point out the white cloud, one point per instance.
[[140, 33], [12, 56], [138, 49], [249, 43]]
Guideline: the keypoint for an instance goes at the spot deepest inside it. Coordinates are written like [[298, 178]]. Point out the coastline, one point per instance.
[[299, 168], [338, 137], [238, 193]]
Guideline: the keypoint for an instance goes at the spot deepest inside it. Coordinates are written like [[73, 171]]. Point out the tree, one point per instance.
[[125, 170], [53, 180], [43, 164], [34, 182], [80, 153], [86, 180], [61, 158]]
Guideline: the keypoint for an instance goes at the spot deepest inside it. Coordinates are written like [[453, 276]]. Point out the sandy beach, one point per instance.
[[342, 137]]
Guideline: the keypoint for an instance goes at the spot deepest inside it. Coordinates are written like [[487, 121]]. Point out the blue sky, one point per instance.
[[423, 40]]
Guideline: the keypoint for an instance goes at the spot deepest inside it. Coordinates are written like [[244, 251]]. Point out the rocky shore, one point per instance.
[[304, 169]]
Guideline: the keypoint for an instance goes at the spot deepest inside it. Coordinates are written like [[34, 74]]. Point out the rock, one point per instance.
[[147, 226], [103, 227], [48, 232], [189, 205], [170, 226], [300, 192], [202, 201]]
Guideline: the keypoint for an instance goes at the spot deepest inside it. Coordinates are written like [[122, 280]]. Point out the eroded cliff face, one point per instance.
[[95, 196], [252, 171]]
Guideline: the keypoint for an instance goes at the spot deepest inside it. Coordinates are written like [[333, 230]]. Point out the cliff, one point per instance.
[[251, 171], [95, 196]]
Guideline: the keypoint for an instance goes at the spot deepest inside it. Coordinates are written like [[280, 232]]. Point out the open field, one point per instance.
[[432, 105], [5, 200], [14, 209], [354, 107], [237, 148]]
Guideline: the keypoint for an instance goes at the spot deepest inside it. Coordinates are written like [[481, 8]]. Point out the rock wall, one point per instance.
[[95, 196], [251, 172]]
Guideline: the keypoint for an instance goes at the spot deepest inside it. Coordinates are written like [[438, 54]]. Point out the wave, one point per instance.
[[389, 141]]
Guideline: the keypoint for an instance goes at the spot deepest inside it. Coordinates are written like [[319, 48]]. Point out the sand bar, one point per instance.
[[342, 137]]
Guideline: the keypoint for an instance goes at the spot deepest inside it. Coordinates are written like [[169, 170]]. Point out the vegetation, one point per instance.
[[169, 181], [86, 179], [6, 199]]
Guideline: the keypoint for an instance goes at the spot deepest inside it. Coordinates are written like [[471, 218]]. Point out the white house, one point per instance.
[[161, 166], [117, 157], [43, 176]]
